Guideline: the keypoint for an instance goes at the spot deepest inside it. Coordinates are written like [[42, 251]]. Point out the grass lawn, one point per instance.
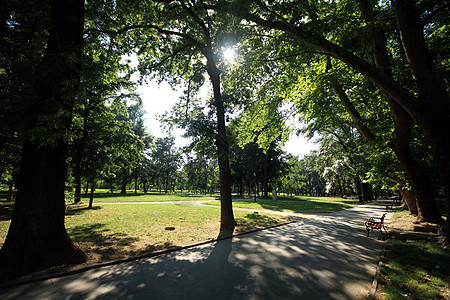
[[101, 196], [298, 204], [415, 269], [110, 232]]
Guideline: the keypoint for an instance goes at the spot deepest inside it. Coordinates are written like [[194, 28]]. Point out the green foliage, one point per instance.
[[69, 196], [200, 173], [166, 161], [252, 166], [294, 178]]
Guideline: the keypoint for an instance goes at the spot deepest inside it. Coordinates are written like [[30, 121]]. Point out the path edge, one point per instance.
[[133, 258], [374, 287]]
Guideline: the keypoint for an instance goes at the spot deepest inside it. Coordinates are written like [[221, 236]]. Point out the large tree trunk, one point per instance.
[[433, 111], [367, 191], [265, 185], [427, 208], [358, 189], [227, 222], [428, 211], [37, 237], [136, 179], [409, 196], [77, 179]]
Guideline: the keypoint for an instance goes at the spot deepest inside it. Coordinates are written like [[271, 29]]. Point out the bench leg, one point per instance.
[[383, 234]]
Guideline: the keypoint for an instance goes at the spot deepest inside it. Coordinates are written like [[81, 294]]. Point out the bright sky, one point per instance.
[[158, 99]]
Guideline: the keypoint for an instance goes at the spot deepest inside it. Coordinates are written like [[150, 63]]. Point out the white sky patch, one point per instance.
[[229, 55], [160, 98]]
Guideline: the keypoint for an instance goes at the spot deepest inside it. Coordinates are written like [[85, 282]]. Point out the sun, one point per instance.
[[229, 55]]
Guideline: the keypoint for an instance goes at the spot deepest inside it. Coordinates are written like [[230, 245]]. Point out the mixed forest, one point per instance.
[[367, 79]]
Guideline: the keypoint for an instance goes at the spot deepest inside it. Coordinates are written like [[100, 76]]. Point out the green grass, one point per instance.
[[416, 270], [298, 204], [116, 231], [101, 196]]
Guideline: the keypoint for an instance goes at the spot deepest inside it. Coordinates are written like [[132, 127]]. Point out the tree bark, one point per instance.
[[367, 192], [428, 211], [433, 113], [410, 198], [78, 156], [431, 110], [227, 222], [266, 176], [9, 197], [136, 179], [37, 237], [91, 195], [358, 189]]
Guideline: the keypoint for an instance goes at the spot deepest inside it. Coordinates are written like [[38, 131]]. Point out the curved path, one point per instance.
[[326, 257]]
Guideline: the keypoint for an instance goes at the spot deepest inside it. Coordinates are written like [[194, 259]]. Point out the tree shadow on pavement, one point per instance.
[[328, 257], [254, 220]]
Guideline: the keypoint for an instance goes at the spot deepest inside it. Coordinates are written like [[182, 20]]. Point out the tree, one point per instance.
[[190, 38], [37, 237], [315, 185], [166, 160], [102, 81], [294, 178], [110, 141], [201, 174], [9, 164], [429, 109], [136, 117]]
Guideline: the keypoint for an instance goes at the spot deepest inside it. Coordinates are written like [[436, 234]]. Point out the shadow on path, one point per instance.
[[327, 257]]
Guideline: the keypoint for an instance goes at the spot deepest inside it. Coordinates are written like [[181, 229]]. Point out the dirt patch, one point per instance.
[[403, 227]]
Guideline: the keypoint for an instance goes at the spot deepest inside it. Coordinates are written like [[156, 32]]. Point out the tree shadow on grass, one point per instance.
[[97, 241], [255, 221], [6, 212], [299, 206], [80, 210]]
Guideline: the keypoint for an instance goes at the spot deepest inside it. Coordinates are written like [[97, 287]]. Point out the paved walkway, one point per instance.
[[326, 257]]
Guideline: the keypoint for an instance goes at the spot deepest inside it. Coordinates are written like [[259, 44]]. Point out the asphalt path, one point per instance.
[[325, 257]]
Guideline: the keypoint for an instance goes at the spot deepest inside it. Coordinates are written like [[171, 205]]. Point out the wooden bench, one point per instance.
[[373, 224]]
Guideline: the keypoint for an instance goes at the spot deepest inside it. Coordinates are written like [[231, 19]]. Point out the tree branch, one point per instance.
[[294, 55], [382, 80], [173, 54]]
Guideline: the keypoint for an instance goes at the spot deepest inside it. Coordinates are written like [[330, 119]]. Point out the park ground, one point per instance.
[[416, 266]]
